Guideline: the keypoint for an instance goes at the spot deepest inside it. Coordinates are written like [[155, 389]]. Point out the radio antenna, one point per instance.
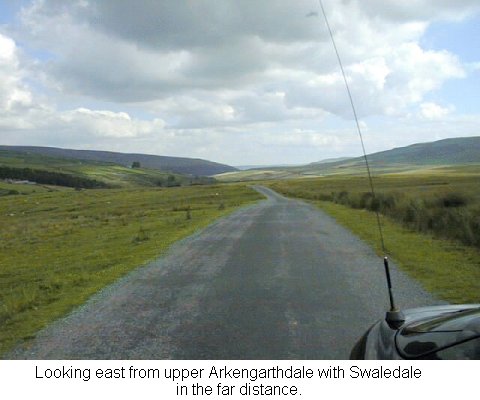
[[394, 316]]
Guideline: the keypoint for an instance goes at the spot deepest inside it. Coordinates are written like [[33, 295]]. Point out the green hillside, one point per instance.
[[15, 165], [178, 165], [454, 151], [421, 157], [448, 151]]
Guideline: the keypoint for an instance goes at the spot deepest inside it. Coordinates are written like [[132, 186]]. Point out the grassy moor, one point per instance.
[[58, 246], [431, 221]]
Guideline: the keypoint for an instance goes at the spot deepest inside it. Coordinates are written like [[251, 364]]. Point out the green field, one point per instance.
[[431, 222], [258, 175], [9, 189], [59, 246], [113, 175]]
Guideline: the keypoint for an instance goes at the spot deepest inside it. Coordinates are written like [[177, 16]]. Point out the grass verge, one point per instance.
[[445, 268], [431, 221], [59, 248]]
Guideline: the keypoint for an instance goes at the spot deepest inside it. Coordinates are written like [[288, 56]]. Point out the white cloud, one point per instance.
[[105, 50], [24, 114], [203, 76], [14, 94], [108, 123], [434, 111]]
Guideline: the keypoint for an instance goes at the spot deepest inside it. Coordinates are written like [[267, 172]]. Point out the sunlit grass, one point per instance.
[[450, 270], [58, 248]]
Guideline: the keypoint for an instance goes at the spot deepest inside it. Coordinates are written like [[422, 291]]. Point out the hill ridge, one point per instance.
[[449, 152], [180, 165], [462, 150]]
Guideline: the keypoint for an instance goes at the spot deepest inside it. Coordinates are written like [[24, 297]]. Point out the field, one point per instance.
[[113, 175], [256, 175], [59, 246], [346, 169], [431, 222], [8, 189]]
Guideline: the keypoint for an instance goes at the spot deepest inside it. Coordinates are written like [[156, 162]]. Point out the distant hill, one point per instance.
[[452, 151], [263, 167], [330, 160], [179, 165], [72, 172], [446, 152], [442, 152]]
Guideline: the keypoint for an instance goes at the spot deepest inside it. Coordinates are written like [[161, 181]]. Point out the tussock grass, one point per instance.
[[431, 223], [58, 248], [448, 269], [446, 206]]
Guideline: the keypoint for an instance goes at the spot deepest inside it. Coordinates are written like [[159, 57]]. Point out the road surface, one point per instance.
[[277, 280]]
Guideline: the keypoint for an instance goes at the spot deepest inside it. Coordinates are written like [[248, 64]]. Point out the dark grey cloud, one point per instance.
[[139, 51], [201, 23]]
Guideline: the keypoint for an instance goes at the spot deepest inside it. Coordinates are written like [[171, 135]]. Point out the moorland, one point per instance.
[[70, 226]]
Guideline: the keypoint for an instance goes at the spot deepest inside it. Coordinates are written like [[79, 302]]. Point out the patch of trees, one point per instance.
[[202, 180], [170, 181], [50, 178]]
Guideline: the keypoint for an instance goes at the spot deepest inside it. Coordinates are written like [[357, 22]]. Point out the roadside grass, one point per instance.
[[445, 268], [446, 205], [431, 222], [58, 248]]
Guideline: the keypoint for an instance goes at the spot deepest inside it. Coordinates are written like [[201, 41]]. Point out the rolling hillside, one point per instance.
[[442, 152], [179, 165], [69, 172], [433, 155]]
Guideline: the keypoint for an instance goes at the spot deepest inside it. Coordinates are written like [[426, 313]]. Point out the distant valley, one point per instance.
[[421, 156]]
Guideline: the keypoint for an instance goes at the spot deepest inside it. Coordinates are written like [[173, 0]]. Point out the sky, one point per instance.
[[242, 82]]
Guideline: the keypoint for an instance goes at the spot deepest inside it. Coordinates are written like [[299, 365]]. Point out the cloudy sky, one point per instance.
[[237, 81]]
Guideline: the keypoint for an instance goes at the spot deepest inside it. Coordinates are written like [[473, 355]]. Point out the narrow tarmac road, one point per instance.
[[277, 280]]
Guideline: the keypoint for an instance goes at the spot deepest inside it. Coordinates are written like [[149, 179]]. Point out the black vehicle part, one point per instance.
[[358, 351], [427, 336]]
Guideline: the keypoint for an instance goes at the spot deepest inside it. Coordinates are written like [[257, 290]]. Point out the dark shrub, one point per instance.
[[388, 201], [453, 200], [341, 197], [324, 197], [365, 200]]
